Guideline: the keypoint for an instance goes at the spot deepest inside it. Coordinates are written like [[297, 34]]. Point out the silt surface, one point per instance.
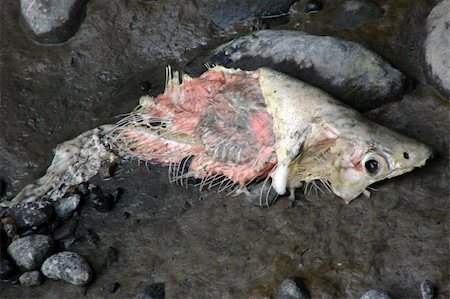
[[203, 244]]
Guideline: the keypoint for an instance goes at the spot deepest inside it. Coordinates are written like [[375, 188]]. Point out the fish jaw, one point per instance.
[[319, 138]]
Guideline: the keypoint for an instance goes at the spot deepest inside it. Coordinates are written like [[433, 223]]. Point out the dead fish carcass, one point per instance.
[[231, 128]]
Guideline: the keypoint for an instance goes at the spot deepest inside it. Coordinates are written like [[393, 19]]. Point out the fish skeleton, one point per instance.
[[231, 128]]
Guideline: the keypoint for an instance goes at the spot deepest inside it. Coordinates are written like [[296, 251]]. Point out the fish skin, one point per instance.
[[315, 138]]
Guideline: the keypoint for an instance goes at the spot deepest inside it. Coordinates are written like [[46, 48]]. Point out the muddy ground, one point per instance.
[[207, 245]]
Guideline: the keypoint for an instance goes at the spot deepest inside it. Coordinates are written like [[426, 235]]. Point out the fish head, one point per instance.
[[360, 155]]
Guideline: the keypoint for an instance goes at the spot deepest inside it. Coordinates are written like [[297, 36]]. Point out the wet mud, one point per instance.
[[208, 245]]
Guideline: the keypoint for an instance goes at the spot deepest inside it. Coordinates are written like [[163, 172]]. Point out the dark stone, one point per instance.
[[52, 21], [31, 214], [345, 69], [352, 13], [103, 203], [31, 279], [154, 291], [64, 234], [29, 252], [112, 287], [7, 270], [69, 267], [292, 288], [375, 294], [313, 6]]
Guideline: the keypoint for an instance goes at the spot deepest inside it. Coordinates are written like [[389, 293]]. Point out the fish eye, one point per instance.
[[405, 155], [372, 166]]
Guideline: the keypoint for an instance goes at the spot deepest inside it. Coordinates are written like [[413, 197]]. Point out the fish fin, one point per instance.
[[75, 162]]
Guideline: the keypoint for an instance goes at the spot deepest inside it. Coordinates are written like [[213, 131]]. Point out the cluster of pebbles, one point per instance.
[[36, 238]]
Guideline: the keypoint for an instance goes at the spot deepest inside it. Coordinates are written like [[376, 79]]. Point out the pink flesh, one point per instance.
[[213, 109]]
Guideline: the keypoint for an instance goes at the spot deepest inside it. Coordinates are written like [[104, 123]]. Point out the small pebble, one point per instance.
[[145, 86], [427, 289], [65, 207], [31, 214], [112, 287], [31, 279], [9, 226], [69, 267], [375, 294], [313, 6], [7, 270], [29, 252], [292, 288], [103, 203]]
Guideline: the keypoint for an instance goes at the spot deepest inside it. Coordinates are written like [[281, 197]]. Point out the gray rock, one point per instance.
[[65, 207], [352, 13], [29, 252], [31, 214], [52, 21], [291, 288], [427, 289], [69, 267], [31, 279], [226, 12], [375, 294], [437, 47], [344, 69]]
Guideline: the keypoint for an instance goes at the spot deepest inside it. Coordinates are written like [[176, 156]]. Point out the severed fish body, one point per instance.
[[232, 128]]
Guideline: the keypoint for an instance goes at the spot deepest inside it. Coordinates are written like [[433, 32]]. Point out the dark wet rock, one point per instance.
[[9, 226], [352, 13], [313, 6], [64, 234], [153, 291], [112, 287], [69, 267], [344, 69], [65, 206], [31, 214], [52, 21], [227, 12], [29, 252], [103, 203], [261, 194], [437, 50], [7, 270], [292, 288], [375, 294], [31, 279], [427, 289]]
